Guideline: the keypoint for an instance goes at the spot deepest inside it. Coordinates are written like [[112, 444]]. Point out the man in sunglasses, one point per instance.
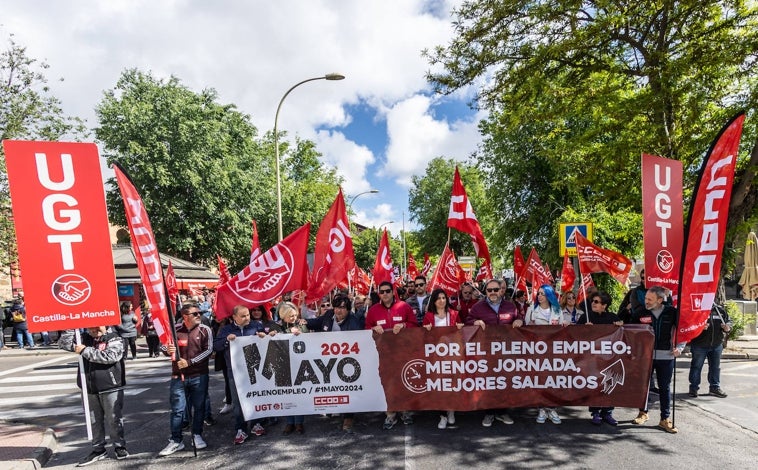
[[494, 309], [189, 377], [395, 315], [419, 300]]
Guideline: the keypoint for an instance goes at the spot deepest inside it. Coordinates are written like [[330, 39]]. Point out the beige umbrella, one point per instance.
[[749, 278]]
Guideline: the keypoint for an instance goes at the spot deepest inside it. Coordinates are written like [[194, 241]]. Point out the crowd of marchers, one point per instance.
[[387, 310]]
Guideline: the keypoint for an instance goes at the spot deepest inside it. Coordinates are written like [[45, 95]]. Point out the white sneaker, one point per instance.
[[542, 416], [488, 420], [225, 409], [171, 448], [199, 442], [443, 422], [504, 418], [553, 415], [451, 417]]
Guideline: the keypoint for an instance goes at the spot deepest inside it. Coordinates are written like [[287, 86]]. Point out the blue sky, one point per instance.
[[379, 127]]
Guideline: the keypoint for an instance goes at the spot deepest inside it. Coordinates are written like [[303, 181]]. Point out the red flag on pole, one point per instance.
[[461, 217], [519, 268], [449, 275], [333, 256], [593, 259], [701, 265], [223, 272], [412, 270], [146, 252], [587, 282], [383, 264], [568, 275], [283, 268], [427, 265], [485, 272], [171, 287], [255, 246]]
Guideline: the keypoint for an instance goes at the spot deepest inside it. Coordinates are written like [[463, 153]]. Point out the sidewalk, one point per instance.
[[28, 447]]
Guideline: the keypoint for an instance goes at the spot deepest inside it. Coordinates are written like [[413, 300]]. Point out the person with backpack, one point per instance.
[[18, 317]]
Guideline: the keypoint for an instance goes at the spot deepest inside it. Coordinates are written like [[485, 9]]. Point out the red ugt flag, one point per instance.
[[706, 228], [146, 252], [333, 256], [461, 217], [383, 264], [449, 275], [283, 268], [412, 271], [593, 259]]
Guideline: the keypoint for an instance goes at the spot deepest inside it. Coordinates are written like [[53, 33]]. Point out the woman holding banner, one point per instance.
[[571, 314], [546, 311], [289, 315], [439, 313]]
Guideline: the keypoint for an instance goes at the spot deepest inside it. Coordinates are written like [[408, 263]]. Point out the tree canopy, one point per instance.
[[203, 171], [576, 91]]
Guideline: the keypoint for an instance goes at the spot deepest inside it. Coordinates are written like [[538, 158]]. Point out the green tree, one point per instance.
[[202, 171], [28, 111], [366, 244], [578, 90], [429, 201]]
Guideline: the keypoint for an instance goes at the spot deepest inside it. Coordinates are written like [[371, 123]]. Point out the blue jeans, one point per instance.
[[664, 371], [20, 338], [189, 392], [699, 354]]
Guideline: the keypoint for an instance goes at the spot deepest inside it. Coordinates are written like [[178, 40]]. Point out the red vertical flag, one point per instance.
[[587, 282], [255, 245], [593, 259], [223, 272], [172, 288], [412, 271], [568, 275], [461, 217], [383, 264], [333, 256], [519, 268], [146, 251], [282, 269], [485, 272], [427, 265], [701, 257]]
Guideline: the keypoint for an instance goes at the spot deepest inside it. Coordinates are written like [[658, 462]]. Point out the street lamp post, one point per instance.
[[329, 76], [352, 199], [379, 230]]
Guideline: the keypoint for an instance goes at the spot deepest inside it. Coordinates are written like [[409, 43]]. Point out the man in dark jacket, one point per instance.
[[102, 359], [709, 344]]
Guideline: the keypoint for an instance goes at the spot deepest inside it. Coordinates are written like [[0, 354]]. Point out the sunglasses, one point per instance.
[[596, 301], [196, 313], [495, 289], [420, 285], [385, 291], [325, 305]]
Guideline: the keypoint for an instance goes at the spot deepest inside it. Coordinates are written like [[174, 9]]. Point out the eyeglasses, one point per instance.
[[195, 313], [421, 284], [385, 291], [493, 289], [596, 301], [325, 306]]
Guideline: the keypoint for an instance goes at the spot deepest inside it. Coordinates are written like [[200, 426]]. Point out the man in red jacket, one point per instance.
[[395, 315]]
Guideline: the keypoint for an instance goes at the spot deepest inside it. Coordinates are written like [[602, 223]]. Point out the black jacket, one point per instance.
[[663, 326], [713, 335], [103, 360], [326, 321]]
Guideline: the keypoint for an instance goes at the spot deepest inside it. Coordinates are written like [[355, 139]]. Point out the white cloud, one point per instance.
[[379, 216], [349, 158], [416, 137]]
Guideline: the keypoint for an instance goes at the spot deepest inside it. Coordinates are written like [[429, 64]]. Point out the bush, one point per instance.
[[739, 320]]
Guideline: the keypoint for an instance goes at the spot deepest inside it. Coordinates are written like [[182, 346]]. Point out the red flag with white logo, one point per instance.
[[461, 217], [282, 269], [485, 272], [412, 271], [701, 258], [587, 282], [427, 265], [172, 288], [255, 245], [593, 259], [449, 275], [383, 264], [223, 272], [146, 251], [360, 280], [333, 256], [568, 275]]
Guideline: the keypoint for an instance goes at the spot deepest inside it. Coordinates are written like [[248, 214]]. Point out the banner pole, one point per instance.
[[85, 395]]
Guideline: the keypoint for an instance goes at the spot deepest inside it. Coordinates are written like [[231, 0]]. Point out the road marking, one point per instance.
[[37, 378], [35, 365]]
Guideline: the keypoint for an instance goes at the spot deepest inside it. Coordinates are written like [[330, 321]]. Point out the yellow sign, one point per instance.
[[567, 242]]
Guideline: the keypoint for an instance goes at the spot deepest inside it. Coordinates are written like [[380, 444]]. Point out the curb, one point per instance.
[[40, 456]]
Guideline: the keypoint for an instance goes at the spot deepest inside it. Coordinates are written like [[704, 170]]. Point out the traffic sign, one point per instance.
[[567, 241]]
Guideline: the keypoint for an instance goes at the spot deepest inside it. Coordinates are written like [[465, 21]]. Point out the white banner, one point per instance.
[[311, 373]]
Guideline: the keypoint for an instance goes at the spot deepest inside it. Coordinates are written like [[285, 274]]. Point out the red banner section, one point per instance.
[[62, 232], [471, 369], [662, 220], [701, 263], [593, 259]]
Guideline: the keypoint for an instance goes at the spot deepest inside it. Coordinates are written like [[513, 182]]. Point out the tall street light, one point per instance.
[[352, 199], [328, 76], [379, 230]]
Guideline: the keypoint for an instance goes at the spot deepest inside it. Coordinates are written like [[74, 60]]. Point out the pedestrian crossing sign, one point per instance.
[[568, 238]]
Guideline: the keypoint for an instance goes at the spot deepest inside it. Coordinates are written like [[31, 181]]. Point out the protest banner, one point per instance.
[[443, 369]]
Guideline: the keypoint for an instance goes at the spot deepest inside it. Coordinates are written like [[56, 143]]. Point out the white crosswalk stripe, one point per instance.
[[51, 389]]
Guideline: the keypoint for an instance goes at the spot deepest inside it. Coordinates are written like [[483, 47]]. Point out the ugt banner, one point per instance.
[[61, 225], [443, 369], [662, 220]]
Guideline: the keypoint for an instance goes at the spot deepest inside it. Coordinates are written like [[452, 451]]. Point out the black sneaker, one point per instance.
[[209, 421], [693, 393], [93, 457], [717, 392], [121, 453]]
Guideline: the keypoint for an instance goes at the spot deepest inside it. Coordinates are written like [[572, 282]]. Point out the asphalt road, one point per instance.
[[714, 433]]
